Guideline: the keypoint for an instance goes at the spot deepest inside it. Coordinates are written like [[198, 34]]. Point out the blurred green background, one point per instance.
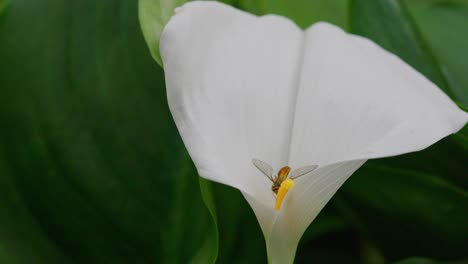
[[92, 169]]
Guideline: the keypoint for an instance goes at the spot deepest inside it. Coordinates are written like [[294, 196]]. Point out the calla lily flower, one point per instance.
[[243, 88]]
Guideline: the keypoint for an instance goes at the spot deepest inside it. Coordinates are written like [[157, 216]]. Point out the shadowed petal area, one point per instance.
[[284, 229], [231, 81], [358, 101]]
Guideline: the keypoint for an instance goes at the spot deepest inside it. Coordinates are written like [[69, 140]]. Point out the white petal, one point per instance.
[[229, 76], [358, 101], [284, 229]]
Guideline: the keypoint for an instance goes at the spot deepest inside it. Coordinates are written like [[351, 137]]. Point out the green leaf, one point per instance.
[[303, 12], [428, 261], [446, 159], [328, 221], [240, 237], [92, 169], [443, 24], [3, 4], [388, 24], [154, 14], [409, 213], [22, 240], [209, 251]]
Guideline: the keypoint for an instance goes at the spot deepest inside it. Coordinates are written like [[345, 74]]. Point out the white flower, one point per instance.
[[242, 87]]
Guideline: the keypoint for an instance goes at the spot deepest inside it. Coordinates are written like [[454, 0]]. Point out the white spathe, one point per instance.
[[241, 87]]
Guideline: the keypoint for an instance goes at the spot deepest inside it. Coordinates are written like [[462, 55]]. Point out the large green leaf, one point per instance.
[[92, 168], [444, 25], [409, 213], [22, 240], [388, 24], [240, 237], [303, 12]]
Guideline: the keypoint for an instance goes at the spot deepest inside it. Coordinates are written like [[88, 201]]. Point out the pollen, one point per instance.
[[285, 186]]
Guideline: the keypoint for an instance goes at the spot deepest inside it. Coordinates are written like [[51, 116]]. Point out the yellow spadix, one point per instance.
[[285, 186]]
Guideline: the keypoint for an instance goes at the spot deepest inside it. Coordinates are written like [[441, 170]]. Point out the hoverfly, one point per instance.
[[283, 173]]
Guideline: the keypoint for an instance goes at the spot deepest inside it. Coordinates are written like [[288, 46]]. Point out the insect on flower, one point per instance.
[[281, 182]]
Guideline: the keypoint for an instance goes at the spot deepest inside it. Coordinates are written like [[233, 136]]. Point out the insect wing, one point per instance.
[[302, 171], [264, 168]]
